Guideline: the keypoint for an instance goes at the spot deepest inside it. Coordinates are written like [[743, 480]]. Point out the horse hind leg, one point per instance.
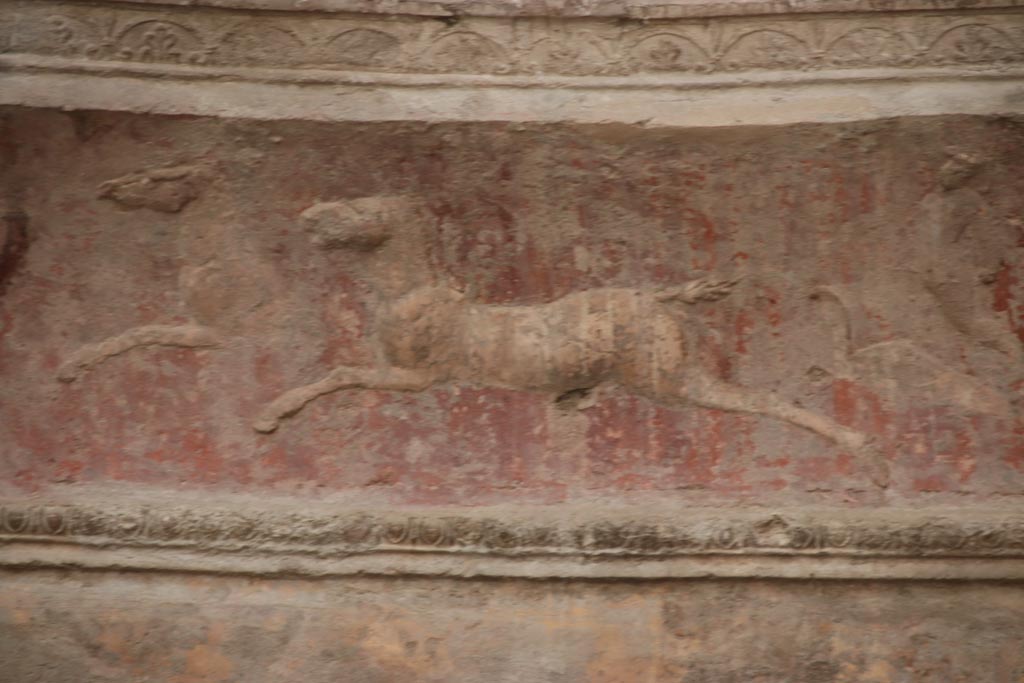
[[716, 394]]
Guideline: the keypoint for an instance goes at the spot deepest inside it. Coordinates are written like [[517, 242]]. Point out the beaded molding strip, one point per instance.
[[552, 542]]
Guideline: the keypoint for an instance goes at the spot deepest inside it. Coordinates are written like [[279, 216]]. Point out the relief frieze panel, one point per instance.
[[452, 314], [516, 46]]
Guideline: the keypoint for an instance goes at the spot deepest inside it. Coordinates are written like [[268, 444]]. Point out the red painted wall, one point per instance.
[[518, 214]]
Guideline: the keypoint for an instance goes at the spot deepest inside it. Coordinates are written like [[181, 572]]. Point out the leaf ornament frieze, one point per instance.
[[506, 46]]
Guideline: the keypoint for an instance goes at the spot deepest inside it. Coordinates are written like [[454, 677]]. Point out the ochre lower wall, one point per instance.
[[69, 626]]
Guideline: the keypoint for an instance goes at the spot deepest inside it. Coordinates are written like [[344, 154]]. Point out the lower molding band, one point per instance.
[[557, 542]]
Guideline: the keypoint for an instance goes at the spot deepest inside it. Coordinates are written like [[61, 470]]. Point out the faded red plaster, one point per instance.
[[1015, 454], [744, 324], [1003, 290], [159, 417]]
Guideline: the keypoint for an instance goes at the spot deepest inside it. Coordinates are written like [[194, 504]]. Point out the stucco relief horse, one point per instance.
[[429, 332]]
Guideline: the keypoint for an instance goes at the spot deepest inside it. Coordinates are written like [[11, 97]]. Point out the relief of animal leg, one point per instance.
[[711, 393], [703, 290], [91, 355], [386, 379]]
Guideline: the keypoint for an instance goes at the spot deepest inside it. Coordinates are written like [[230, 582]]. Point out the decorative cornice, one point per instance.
[[389, 44], [821, 63], [535, 543], [633, 9]]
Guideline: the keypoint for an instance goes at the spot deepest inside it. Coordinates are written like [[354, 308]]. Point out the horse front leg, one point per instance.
[[385, 379], [91, 355], [708, 392]]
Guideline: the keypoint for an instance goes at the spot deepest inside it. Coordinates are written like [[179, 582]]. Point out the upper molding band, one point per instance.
[[632, 9], [504, 48], [727, 68]]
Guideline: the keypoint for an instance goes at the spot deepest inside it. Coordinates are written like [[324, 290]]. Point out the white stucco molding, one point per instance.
[[736, 63]]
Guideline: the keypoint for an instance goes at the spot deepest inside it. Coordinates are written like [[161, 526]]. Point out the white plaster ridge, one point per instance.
[[708, 104]]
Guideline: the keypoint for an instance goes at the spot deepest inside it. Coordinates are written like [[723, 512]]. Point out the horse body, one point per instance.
[[621, 335]]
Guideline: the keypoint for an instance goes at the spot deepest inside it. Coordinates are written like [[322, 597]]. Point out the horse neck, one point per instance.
[[399, 273]]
